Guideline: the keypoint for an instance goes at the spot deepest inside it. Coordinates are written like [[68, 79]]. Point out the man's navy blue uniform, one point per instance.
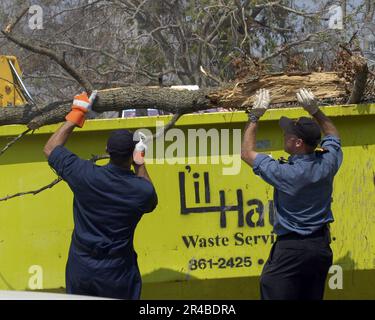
[[302, 187], [108, 203], [301, 257]]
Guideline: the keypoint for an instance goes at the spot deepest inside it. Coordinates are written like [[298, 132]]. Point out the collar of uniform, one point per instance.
[[310, 156], [118, 169]]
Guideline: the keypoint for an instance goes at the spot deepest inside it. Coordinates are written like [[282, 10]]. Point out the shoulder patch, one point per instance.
[[320, 151], [282, 160]]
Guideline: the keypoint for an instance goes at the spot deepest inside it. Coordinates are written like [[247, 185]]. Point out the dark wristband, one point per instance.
[[253, 118]]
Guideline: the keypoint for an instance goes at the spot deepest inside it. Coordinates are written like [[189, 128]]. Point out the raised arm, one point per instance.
[[248, 153], [326, 124], [81, 105], [59, 138], [141, 171], [309, 103]]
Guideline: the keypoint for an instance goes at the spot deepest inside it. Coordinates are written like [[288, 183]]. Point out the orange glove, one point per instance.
[[81, 105]]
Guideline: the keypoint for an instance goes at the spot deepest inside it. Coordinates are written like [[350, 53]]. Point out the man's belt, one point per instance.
[[322, 232]]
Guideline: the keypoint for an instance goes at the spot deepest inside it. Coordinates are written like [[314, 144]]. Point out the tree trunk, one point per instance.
[[238, 95]]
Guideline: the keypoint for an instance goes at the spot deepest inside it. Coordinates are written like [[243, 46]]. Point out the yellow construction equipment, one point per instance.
[[13, 93]]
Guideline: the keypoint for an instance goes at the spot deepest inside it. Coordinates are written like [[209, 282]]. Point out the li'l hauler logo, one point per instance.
[[206, 206], [200, 194]]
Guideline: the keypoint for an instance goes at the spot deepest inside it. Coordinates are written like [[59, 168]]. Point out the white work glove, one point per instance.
[[308, 101], [262, 102], [140, 150]]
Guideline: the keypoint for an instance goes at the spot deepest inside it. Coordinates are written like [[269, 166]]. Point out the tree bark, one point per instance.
[[238, 95], [361, 69]]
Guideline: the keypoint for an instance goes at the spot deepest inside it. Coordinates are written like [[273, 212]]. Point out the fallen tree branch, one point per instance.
[[116, 99], [361, 74], [232, 95], [33, 192], [169, 125], [13, 141], [355, 70], [94, 159], [210, 76]]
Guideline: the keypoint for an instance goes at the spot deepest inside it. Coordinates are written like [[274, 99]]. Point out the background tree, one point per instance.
[[126, 42]]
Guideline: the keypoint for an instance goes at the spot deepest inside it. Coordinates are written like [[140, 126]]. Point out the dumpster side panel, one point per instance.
[[212, 230]]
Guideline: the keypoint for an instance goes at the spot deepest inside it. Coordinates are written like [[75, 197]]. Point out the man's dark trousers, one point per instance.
[[297, 267], [110, 278]]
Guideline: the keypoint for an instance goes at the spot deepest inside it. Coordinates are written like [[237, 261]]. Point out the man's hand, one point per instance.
[[308, 101], [81, 105], [140, 150], [262, 102]]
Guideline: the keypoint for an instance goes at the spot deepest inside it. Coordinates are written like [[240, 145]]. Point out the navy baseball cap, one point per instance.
[[121, 143], [304, 128]]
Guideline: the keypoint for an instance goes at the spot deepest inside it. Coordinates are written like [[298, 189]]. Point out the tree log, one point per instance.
[[361, 69], [238, 95]]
